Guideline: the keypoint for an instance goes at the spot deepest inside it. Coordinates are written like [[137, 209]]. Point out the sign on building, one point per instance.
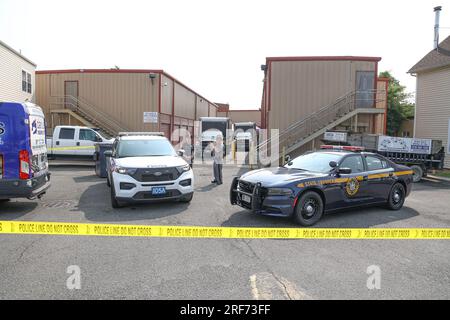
[[335, 136], [150, 117], [407, 145]]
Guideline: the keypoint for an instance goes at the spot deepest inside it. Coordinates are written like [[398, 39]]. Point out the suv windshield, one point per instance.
[[316, 161], [144, 148]]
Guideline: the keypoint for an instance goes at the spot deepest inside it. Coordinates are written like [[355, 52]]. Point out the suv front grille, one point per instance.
[[156, 174], [246, 186]]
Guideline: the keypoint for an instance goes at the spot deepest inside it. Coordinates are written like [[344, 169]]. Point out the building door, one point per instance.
[[365, 84], [71, 94]]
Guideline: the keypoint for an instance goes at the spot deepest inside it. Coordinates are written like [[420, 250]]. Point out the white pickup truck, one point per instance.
[[74, 141]]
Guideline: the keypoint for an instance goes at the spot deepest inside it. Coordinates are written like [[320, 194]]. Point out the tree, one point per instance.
[[398, 106]]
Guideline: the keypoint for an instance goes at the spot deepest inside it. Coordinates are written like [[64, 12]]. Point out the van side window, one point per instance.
[[86, 134], [375, 163], [66, 133], [353, 162]]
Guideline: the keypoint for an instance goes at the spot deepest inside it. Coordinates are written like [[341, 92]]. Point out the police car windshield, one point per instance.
[[315, 161], [144, 148]]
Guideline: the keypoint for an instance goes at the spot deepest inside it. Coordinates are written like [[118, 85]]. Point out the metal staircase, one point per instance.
[[86, 114], [307, 129]]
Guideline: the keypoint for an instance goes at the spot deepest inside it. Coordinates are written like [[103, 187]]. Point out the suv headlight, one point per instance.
[[279, 192], [184, 168], [122, 170]]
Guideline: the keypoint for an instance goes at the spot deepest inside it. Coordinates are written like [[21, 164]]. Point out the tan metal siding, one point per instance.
[[212, 111], [202, 107], [11, 66], [166, 95], [433, 107], [245, 116], [122, 96], [184, 102], [299, 88]]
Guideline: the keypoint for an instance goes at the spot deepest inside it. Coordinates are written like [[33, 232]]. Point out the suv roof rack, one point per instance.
[[122, 134], [345, 148]]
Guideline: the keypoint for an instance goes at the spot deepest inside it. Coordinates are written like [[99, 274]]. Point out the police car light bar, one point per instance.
[[347, 148], [121, 134]]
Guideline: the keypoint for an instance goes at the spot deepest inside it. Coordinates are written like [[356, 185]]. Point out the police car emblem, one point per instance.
[[2, 128], [352, 186]]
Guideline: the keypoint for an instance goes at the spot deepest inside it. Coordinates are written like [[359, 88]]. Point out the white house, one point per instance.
[[432, 118], [16, 75]]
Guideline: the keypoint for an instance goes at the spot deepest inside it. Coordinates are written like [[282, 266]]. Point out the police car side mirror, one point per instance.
[[344, 170], [181, 152], [108, 153], [333, 164], [287, 158]]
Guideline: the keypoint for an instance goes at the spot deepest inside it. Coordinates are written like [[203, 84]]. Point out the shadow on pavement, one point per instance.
[[351, 218], [95, 203], [16, 208]]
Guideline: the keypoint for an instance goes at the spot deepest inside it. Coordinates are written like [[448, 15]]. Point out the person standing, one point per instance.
[[218, 151]]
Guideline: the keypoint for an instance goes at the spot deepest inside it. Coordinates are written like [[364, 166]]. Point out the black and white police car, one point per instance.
[[144, 167], [332, 179]]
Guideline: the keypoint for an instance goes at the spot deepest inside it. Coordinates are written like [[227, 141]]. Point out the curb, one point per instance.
[[438, 178]]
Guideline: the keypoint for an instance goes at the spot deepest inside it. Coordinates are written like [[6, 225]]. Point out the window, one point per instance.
[[353, 162], [86, 134], [26, 82], [316, 161], [144, 148], [67, 133], [375, 163]]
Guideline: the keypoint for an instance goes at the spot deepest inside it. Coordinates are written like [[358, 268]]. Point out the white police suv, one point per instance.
[[144, 167]]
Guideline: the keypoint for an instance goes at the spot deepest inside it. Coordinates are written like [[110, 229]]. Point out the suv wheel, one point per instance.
[[309, 209], [396, 197]]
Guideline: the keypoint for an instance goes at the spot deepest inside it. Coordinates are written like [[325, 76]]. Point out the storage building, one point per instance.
[[120, 100], [304, 97]]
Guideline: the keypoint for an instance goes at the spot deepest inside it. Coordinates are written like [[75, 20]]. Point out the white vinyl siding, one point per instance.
[[433, 107], [11, 67]]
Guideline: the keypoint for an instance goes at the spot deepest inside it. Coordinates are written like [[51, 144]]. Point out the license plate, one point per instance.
[[157, 191], [246, 198]]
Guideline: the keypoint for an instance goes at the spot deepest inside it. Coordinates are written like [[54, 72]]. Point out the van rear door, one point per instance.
[[37, 142]]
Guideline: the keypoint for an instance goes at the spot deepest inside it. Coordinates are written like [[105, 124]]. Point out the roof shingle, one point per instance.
[[433, 59]]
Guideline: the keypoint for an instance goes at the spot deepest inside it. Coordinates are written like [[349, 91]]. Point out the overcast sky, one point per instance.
[[217, 47]]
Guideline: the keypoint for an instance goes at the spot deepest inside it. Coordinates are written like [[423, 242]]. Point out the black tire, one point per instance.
[[107, 181], [4, 200], [396, 197], [187, 198], [417, 173], [114, 203], [309, 209]]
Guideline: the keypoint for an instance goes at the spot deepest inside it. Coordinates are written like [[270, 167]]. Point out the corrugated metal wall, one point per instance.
[[122, 96], [184, 102], [202, 107], [299, 88], [166, 94], [433, 107]]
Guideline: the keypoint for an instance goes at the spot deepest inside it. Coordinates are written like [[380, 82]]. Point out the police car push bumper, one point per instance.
[[130, 190], [260, 202]]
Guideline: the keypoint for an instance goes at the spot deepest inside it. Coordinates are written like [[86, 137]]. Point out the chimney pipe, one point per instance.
[[437, 11]]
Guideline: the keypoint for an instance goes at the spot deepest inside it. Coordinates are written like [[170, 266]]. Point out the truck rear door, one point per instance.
[[64, 141]]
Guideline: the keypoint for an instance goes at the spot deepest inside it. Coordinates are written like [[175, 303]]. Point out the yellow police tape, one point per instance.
[[86, 229], [70, 148]]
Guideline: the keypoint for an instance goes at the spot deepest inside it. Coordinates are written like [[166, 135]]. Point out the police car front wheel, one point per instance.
[[309, 208]]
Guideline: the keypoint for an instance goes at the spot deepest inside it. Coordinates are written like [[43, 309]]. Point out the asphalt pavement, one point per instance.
[[35, 266]]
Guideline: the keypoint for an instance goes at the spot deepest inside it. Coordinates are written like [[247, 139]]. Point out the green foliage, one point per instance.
[[399, 108]]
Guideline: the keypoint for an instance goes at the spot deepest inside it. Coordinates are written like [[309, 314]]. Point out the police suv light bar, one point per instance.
[[347, 148], [121, 134]]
